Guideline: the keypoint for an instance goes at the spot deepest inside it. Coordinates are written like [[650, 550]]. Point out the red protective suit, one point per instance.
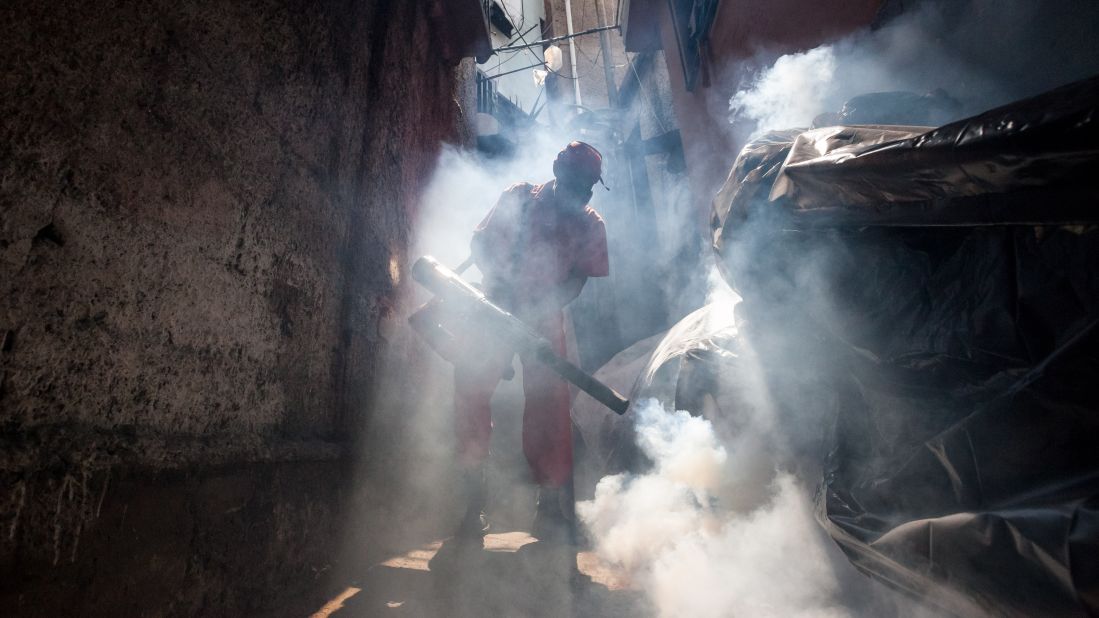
[[535, 255]]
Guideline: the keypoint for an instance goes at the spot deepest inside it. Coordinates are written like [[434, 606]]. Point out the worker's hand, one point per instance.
[[501, 294]]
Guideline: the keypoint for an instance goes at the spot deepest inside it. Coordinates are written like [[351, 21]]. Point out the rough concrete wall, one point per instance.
[[233, 541], [204, 209]]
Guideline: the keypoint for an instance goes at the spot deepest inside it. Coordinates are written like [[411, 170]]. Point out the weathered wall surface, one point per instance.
[[204, 210]]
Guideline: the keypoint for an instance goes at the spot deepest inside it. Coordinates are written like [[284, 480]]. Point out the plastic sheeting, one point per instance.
[[922, 312], [680, 367], [1037, 142], [945, 285], [1045, 148]]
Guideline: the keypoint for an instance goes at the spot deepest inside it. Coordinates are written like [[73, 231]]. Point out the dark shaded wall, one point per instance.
[[204, 211]]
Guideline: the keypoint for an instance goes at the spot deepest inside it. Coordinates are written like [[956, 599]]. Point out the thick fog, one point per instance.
[[720, 519], [977, 55]]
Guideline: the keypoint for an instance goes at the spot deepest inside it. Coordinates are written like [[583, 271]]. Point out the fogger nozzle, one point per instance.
[[468, 300]]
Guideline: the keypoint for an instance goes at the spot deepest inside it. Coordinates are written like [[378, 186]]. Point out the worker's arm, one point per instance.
[[493, 243], [496, 270], [483, 255]]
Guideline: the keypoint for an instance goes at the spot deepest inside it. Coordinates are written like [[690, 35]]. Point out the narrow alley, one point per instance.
[[549, 308]]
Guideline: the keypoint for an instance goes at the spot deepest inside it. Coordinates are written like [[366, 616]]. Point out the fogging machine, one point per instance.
[[447, 285]]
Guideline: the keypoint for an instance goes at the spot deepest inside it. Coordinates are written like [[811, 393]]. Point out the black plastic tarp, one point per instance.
[[944, 284], [921, 307]]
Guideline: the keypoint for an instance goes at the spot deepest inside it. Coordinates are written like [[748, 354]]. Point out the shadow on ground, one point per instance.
[[512, 575]]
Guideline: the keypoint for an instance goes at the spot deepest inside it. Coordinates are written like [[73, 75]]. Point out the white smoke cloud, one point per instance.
[[679, 533], [633, 518], [717, 526], [982, 53], [769, 103], [770, 562]]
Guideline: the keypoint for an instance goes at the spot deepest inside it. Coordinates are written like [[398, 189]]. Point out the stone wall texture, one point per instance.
[[204, 213]]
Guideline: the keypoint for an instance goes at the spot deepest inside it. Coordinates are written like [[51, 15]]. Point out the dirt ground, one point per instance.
[[511, 576]]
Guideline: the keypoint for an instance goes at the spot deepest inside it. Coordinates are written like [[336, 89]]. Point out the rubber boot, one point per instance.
[[474, 525], [553, 557], [467, 540], [555, 517]]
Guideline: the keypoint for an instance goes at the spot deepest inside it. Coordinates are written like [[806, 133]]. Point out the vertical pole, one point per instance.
[[572, 51], [608, 67]]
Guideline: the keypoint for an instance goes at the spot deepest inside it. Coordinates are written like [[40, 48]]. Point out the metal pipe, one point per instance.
[[608, 64], [572, 51], [479, 313]]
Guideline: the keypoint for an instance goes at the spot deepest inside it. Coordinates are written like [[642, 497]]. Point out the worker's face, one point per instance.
[[573, 194]]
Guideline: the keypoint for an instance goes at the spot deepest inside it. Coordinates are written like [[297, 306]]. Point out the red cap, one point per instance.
[[580, 162]]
